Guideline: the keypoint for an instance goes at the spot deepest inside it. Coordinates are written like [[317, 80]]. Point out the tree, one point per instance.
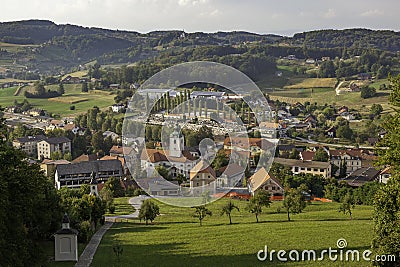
[[294, 201], [201, 212], [347, 204], [228, 208], [98, 141], [85, 88], [321, 155], [114, 184], [376, 109], [29, 210], [387, 199], [61, 90], [39, 88], [260, 199], [344, 131], [162, 171], [367, 92], [148, 211], [327, 69]]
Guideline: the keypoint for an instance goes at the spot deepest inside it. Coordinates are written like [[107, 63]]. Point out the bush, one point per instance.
[[85, 231], [367, 92], [111, 208], [72, 108]]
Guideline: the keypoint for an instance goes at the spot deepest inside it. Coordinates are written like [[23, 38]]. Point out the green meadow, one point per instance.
[[177, 239], [61, 105]]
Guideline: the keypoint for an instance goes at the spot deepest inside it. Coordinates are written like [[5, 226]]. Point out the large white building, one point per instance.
[[53, 144]]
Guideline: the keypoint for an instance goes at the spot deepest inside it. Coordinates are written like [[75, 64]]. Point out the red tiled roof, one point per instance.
[[157, 155], [307, 155], [85, 157]]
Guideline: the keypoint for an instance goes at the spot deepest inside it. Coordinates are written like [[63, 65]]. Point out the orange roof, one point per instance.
[[122, 159], [120, 150], [307, 155], [266, 124], [85, 157], [157, 155], [202, 167], [69, 126]]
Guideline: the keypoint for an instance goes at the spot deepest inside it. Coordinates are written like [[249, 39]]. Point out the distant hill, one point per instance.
[[45, 47], [349, 38]]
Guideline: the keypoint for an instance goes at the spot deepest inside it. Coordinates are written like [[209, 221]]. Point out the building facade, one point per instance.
[[53, 144]]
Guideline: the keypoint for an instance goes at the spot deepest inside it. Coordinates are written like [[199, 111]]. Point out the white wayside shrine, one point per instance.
[[66, 242]]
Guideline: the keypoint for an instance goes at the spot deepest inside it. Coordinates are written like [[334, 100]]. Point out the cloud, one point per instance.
[[372, 13], [211, 13], [191, 2], [331, 13]]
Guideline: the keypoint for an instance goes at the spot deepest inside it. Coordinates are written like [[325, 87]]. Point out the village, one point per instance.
[[174, 169]]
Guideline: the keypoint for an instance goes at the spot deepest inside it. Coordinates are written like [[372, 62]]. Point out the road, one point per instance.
[[337, 89], [299, 139]]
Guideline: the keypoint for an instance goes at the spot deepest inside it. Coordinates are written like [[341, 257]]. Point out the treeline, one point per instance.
[[350, 38]]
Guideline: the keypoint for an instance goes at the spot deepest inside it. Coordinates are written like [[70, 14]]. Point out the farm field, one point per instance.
[[176, 238], [312, 83], [61, 105]]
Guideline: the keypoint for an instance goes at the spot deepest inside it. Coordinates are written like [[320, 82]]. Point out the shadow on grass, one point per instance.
[[175, 254]]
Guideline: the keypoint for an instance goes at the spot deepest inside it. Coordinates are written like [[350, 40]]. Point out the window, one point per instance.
[[309, 169], [296, 169], [321, 170]]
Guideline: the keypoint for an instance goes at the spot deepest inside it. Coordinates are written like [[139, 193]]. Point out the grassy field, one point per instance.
[[122, 207], [176, 239], [326, 95], [79, 74], [61, 105], [312, 83]]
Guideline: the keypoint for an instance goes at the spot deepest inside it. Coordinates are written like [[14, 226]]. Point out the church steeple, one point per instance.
[[93, 185], [176, 143]]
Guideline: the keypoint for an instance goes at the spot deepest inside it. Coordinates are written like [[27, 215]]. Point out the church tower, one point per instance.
[[176, 143]]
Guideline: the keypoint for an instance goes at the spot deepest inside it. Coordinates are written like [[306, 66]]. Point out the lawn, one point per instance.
[[122, 207], [328, 96], [61, 105], [176, 239]]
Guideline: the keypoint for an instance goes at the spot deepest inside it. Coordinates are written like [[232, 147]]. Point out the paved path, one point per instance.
[[136, 202], [87, 255]]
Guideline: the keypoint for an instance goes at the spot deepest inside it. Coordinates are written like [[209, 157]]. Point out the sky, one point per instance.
[[282, 17]]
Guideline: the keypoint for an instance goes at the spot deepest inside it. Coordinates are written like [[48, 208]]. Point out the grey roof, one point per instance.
[[362, 176], [206, 94], [90, 166], [57, 140], [26, 139], [69, 231]]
